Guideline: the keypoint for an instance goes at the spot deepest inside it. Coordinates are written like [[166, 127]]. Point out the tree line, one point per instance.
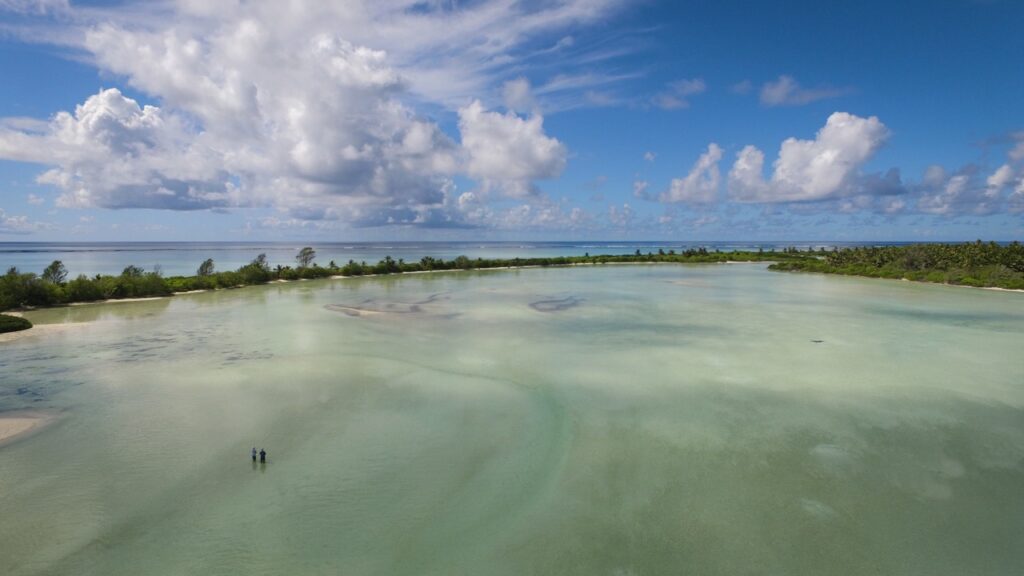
[[972, 264], [52, 287], [981, 264]]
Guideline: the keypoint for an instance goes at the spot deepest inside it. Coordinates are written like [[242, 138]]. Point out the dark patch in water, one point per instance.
[[346, 310], [817, 341], [987, 320], [371, 307], [556, 304]]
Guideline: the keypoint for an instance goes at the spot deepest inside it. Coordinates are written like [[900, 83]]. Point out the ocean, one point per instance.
[[183, 258]]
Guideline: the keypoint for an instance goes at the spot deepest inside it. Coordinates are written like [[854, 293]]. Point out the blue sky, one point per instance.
[[489, 119]]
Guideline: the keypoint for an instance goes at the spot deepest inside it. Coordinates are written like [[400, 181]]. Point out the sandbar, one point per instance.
[[41, 330], [16, 425]]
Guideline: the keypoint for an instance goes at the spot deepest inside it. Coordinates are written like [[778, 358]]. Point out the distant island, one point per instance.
[[977, 264]]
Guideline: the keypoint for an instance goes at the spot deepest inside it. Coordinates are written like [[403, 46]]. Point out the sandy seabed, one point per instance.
[[14, 425]]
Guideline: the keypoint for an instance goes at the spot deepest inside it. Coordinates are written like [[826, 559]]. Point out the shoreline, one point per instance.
[[996, 288], [40, 330], [920, 282], [20, 424], [113, 301], [21, 311], [10, 336]]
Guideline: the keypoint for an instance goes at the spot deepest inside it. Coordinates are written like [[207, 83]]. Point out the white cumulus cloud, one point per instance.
[[963, 192], [701, 185], [808, 170], [509, 150], [969, 191], [113, 153], [946, 195], [315, 109], [1001, 178]]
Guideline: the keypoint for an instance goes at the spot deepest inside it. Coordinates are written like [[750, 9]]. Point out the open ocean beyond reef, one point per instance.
[[183, 258]]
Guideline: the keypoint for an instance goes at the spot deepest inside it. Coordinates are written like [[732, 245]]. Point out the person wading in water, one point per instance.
[[263, 456], [253, 454]]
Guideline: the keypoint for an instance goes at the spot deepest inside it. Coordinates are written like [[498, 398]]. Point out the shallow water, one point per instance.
[[616, 420]]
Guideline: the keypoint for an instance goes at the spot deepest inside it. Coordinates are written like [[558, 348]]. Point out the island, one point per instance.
[[978, 264]]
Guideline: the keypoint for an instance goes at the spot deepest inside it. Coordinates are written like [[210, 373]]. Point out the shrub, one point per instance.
[[13, 323]]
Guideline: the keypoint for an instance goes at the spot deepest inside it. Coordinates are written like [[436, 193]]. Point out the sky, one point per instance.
[[511, 120]]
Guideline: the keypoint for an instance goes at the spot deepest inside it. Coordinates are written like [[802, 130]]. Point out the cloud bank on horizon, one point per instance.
[[436, 116]]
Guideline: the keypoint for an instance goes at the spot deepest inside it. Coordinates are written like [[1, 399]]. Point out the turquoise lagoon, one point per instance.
[[620, 420]]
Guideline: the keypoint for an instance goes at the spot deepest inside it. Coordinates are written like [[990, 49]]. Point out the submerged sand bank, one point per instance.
[[41, 330], [15, 425]]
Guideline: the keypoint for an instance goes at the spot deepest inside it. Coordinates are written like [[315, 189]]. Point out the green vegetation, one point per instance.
[[13, 323], [206, 268], [19, 289], [55, 273], [976, 264], [979, 264], [305, 257], [26, 289]]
